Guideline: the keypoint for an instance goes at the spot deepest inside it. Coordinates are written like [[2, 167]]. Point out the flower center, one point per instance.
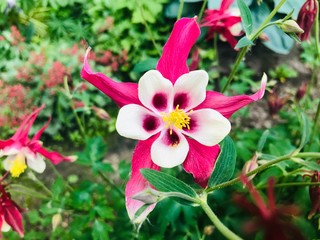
[[18, 166], [176, 118]]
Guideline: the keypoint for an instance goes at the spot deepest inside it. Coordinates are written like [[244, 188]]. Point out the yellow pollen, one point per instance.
[[177, 118], [18, 166]]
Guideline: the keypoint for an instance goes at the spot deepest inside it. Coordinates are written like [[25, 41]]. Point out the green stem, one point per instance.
[[263, 167], [180, 9], [252, 37], [216, 221], [58, 174], [111, 183], [292, 184], [149, 30], [202, 9], [240, 56], [316, 122]]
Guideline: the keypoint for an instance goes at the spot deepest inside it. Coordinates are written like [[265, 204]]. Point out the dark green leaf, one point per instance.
[[225, 164], [245, 16], [145, 65], [167, 183], [57, 187], [243, 42]]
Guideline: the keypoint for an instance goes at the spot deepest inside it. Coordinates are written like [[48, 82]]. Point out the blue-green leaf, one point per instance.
[[225, 164], [243, 42], [245, 16], [167, 183]]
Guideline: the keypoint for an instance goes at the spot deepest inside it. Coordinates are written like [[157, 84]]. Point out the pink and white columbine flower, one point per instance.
[[224, 21], [10, 213], [22, 152], [176, 120]]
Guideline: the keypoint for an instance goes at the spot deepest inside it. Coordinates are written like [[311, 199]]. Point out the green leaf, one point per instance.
[[167, 183], [262, 140], [245, 16], [100, 230], [294, 37], [243, 42], [305, 124], [225, 163], [146, 65]]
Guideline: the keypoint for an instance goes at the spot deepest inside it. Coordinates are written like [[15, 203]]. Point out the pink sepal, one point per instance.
[[200, 161], [173, 62], [54, 157], [141, 159], [121, 93], [228, 105]]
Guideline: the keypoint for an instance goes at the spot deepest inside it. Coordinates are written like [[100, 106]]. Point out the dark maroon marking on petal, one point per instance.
[[150, 123], [193, 124], [181, 99], [171, 139], [160, 101]]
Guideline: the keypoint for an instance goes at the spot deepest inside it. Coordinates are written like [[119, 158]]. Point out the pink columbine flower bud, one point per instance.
[[301, 91], [306, 18], [250, 165], [291, 26], [101, 113], [314, 193]]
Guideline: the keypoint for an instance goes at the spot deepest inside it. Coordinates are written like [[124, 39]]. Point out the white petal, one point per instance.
[[10, 150], [190, 89], [155, 92], [7, 163], [167, 152], [208, 126], [36, 162], [137, 122], [5, 226]]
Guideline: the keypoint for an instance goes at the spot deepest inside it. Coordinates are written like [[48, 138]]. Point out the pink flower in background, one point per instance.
[[22, 152], [176, 120], [225, 21], [306, 18], [10, 213]]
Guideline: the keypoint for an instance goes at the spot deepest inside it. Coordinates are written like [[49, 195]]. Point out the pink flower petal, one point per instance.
[[170, 149], [200, 161], [190, 89], [21, 134], [54, 157], [155, 92], [173, 62], [13, 217], [228, 105], [37, 136], [141, 159], [137, 122], [225, 4], [208, 127], [121, 93]]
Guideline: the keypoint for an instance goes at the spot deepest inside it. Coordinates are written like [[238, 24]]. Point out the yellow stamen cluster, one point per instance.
[[176, 118], [18, 166]]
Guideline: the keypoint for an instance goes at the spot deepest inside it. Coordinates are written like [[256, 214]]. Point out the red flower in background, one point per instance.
[[306, 18], [267, 216], [225, 21], [10, 213], [314, 193]]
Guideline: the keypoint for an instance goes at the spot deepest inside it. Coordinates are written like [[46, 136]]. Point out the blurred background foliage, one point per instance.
[[42, 45]]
